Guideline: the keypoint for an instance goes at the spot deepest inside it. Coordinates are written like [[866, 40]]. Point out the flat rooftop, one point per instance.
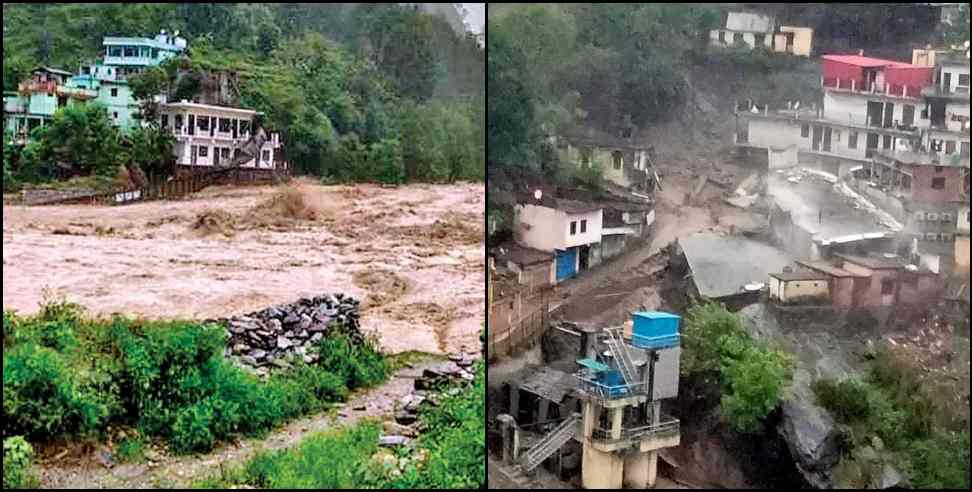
[[723, 265], [799, 276], [823, 266], [521, 255], [827, 215]]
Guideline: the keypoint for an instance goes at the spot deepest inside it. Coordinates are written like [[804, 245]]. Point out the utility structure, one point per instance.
[[621, 426]]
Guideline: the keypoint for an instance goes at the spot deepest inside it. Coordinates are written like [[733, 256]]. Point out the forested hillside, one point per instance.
[[358, 92]]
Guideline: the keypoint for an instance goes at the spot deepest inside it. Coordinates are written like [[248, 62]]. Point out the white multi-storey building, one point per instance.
[[214, 136]]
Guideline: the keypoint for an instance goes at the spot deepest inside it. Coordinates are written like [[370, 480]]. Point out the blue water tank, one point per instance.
[[614, 382], [655, 330]]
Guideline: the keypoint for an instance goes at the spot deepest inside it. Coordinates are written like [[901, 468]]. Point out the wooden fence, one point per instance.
[[176, 188]]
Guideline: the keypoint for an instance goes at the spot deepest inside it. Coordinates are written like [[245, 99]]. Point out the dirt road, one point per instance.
[[413, 254]]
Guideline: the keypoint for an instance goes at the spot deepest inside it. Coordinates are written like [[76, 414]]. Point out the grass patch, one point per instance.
[[68, 376]]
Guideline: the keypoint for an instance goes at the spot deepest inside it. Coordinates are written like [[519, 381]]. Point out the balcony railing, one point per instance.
[[669, 427], [885, 89], [604, 392]]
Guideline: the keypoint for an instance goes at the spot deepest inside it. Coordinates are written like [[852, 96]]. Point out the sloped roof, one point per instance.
[[750, 22]]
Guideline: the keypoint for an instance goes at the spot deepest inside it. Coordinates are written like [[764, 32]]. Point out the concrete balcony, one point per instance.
[[666, 434], [884, 89]]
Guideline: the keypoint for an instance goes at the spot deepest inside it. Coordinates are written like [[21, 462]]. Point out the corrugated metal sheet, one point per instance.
[[666, 374]]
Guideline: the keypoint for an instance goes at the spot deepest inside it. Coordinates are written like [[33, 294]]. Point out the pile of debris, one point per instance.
[[279, 335], [460, 368]]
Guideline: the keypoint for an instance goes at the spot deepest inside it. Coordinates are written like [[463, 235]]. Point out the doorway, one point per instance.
[[585, 257]]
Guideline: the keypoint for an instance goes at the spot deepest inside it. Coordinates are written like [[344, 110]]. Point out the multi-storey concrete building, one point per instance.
[[36, 100], [214, 136], [569, 228], [122, 58]]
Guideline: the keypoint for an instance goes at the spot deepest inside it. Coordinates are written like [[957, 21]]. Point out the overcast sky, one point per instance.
[[477, 16]]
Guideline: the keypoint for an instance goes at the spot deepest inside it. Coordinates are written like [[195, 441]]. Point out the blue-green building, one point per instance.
[[122, 58], [35, 101]]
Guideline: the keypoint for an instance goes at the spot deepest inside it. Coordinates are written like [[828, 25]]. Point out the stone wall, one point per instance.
[[280, 335]]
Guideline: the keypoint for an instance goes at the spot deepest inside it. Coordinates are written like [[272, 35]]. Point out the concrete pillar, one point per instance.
[[601, 470], [617, 415], [652, 468], [636, 471], [511, 436]]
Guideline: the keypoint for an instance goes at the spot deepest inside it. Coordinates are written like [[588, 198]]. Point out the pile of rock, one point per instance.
[[458, 369], [280, 335]]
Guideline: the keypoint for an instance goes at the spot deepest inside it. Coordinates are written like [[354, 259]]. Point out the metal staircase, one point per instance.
[[550, 444], [620, 353]]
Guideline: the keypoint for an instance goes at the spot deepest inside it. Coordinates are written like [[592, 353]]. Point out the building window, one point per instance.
[[225, 152], [963, 79], [114, 115], [805, 131], [129, 51], [224, 125], [203, 124], [178, 121], [204, 151], [852, 140], [737, 38], [939, 169], [950, 146], [938, 183], [617, 159], [573, 228], [722, 37], [266, 158], [244, 127], [583, 226], [760, 40], [165, 121]]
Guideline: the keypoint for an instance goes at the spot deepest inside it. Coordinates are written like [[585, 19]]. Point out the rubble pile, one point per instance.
[[276, 336], [460, 368]]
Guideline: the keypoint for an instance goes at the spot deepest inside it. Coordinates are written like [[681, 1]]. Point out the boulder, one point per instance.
[[812, 436], [393, 441]]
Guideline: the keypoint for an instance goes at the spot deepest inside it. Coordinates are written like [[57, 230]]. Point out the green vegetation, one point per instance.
[[67, 376], [130, 450], [451, 455], [891, 405], [752, 375], [358, 92], [17, 457], [82, 141]]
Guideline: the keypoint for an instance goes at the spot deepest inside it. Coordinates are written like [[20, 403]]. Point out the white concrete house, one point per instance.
[[568, 228], [211, 136]]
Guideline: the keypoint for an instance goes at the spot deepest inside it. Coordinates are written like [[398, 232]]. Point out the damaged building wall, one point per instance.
[[612, 245]]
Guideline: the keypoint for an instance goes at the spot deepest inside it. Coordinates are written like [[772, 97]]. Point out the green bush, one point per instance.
[[131, 450], [43, 399], [752, 376], [848, 400], [17, 457]]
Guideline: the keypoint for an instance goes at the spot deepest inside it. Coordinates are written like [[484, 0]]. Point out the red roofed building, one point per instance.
[[874, 75]]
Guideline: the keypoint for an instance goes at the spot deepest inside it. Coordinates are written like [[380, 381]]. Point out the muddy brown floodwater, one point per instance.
[[414, 255]]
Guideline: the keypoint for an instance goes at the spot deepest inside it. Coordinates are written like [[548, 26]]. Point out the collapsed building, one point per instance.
[[609, 411]]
